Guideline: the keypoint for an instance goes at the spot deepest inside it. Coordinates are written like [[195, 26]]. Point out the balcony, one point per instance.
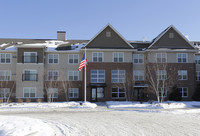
[[29, 59], [29, 77]]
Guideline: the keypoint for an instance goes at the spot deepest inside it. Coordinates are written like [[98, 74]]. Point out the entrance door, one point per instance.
[[97, 93], [94, 94]]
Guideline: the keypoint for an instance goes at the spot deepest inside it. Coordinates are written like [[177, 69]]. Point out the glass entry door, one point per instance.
[[94, 94], [97, 93]]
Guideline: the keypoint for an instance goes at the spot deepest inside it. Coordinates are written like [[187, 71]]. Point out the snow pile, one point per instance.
[[35, 105], [85, 105], [21, 126], [154, 105], [44, 105]]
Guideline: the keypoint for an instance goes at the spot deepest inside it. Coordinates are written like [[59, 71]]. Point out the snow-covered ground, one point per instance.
[[120, 118], [154, 105]]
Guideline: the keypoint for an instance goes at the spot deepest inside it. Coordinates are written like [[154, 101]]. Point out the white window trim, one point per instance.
[[118, 57], [29, 52], [29, 92], [182, 58], [182, 93], [98, 56], [136, 72], [4, 75], [73, 75], [73, 92], [5, 58], [118, 93], [182, 74], [161, 57], [97, 76], [52, 75], [162, 74], [118, 78], [73, 59], [197, 58], [138, 58], [53, 59]]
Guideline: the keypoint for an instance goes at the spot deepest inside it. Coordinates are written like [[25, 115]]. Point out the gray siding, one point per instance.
[[175, 43], [113, 42], [40, 54]]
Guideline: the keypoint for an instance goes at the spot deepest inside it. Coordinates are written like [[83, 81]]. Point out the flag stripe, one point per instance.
[[83, 63]]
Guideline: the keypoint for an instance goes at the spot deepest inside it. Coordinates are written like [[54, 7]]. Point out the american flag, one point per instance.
[[83, 63]]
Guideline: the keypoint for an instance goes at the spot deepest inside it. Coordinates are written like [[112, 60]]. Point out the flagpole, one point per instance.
[[85, 76]]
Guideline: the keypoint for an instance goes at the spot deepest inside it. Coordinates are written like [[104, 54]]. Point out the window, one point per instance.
[[108, 34], [97, 57], [182, 57], [53, 75], [73, 58], [138, 75], [161, 57], [30, 57], [29, 92], [118, 92], [183, 91], [100, 92], [73, 75], [5, 75], [171, 35], [4, 92], [118, 57], [5, 58], [161, 75], [197, 59], [138, 58], [73, 93], [52, 92], [29, 75], [118, 76], [182, 75], [198, 75], [97, 76], [53, 58], [162, 92]]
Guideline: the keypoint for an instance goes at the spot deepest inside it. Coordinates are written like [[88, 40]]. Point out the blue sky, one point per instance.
[[82, 19]]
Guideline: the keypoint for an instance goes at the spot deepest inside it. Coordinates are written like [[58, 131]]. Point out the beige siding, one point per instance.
[[11, 66], [63, 67], [21, 84], [108, 56], [171, 57]]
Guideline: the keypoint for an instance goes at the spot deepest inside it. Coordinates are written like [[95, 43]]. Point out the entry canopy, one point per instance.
[[140, 85]]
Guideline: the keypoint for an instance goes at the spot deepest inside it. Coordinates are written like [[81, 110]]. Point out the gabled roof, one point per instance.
[[108, 25], [155, 40]]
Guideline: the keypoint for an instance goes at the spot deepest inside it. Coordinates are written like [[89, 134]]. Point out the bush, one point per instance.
[[39, 100], [175, 95], [20, 100], [196, 95], [28, 100]]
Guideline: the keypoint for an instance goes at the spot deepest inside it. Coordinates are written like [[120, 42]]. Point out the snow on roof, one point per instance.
[[74, 47], [11, 48]]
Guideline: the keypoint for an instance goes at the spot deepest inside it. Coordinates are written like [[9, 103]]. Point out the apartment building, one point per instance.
[[118, 69]]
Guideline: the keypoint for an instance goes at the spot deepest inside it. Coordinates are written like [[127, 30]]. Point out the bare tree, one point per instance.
[[50, 81], [65, 84], [160, 76]]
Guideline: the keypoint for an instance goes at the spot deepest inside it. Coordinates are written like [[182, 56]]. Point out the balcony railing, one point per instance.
[[29, 59], [29, 77]]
